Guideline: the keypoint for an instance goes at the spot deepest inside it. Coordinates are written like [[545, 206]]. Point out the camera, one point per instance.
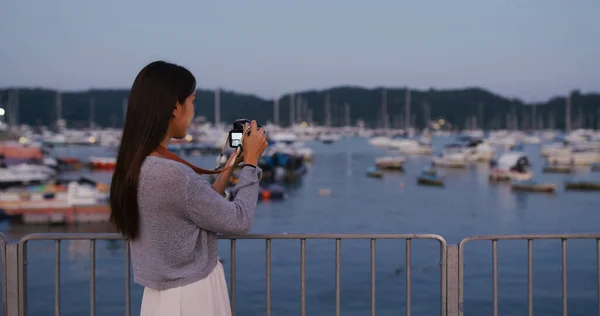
[[235, 134]]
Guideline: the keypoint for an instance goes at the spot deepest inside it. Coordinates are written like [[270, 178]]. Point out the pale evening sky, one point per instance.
[[532, 49]]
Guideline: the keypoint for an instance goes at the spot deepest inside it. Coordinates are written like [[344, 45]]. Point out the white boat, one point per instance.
[[511, 166], [575, 157], [380, 141], [410, 146], [531, 139], [390, 162], [502, 140], [476, 149], [287, 142], [25, 174], [556, 149], [451, 157], [328, 138]]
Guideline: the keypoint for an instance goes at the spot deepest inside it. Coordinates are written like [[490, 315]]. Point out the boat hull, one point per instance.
[[544, 188], [502, 175], [424, 180], [583, 186]]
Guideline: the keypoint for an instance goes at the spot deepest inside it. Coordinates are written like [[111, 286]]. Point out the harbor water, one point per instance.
[[468, 205]]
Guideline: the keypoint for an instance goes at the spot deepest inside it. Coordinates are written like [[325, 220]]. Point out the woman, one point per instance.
[[169, 213]]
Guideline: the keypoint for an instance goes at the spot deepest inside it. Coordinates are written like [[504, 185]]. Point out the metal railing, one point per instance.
[[530, 239], [57, 238], [338, 241], [451, 260], [18, 304]]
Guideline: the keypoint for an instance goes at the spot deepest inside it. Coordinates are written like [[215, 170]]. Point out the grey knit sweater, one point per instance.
[[180, 216]]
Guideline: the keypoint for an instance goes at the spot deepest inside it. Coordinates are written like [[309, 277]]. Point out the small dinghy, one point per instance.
[[552, 168], [374, 172], [430, 179], [596, 167], [582, 186], [533, 186]]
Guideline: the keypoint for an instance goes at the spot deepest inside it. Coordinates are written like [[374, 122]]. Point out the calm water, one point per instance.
[[468, 205]]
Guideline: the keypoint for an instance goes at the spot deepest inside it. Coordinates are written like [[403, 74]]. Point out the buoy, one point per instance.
[[266, 194], [273, 192], [324, 192]]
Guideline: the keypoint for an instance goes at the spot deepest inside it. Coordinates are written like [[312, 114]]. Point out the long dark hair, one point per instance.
[[152, 100]]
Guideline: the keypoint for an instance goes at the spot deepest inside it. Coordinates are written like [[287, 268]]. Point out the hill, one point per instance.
[[461, 107]]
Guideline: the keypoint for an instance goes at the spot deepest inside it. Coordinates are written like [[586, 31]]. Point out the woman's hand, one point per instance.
[[254, 143], [238, 159]]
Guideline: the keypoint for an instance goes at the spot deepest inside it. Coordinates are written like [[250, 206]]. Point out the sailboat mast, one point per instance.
[[407, 116], [217, 106], [276, 111], [292, 109], [568, 114]]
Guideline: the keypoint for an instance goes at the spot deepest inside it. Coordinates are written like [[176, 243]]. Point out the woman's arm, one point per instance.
[[211, 211], [222, 180]]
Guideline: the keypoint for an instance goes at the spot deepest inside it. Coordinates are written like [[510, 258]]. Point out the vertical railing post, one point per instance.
[[11, 272], [452, 274], [3, 266], [22, 280]]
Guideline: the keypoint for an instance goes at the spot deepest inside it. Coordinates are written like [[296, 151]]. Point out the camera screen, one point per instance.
[[235, 139]]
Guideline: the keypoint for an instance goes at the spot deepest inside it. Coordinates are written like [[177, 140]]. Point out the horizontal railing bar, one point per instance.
[[525, 237], [333, 236], [88, 236], [72, 236], [117, 236]]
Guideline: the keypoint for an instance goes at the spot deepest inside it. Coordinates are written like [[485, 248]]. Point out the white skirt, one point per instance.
[[207, 297]]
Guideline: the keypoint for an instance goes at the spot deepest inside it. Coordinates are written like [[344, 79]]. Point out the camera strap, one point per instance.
[[172, 156]]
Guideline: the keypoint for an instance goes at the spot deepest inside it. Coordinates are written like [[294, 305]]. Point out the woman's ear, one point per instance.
[[176, 109]]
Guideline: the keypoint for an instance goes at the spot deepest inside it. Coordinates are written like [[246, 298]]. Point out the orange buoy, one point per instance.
[[266, 195]]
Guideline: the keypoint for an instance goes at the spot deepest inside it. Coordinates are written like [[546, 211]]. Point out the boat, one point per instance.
[[410, 146], [103, 163], [533, 186], [555, 168], [374, 172], [80, 202], [431, 180], [475, 149], [576, 157], [531, 139], [13, 150], [282, 167], [596, 167], [451, 157], [380, 141], [288, 143], [582, 185], [328, 138], [510, 166], [556, 149], [390, 163], [25, 174]]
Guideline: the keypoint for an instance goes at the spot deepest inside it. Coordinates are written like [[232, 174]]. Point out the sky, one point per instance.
[[530, 49]]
